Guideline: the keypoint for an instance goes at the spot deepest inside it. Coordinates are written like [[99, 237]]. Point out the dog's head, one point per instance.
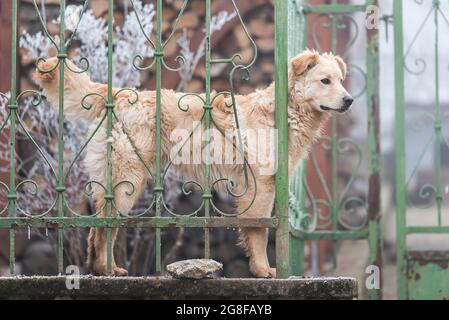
[[318, 81]]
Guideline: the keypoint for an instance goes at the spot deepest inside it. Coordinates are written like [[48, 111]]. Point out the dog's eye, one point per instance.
[[326, 81]]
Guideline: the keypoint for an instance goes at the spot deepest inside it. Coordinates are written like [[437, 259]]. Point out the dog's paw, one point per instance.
[[264, 272], [269, 273], [115, 272], [102, 272], [272, 272], [120, 272]]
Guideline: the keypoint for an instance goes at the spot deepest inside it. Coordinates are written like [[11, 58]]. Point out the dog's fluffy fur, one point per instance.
[[312, 99]]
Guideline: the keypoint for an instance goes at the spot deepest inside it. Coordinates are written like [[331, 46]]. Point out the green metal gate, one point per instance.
[[66, 217], [422, 273], [320, 217]]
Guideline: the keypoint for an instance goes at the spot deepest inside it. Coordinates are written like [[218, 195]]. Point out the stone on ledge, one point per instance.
[[194, 269]]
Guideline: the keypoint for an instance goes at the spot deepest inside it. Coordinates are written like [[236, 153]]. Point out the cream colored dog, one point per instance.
[[315, 92]]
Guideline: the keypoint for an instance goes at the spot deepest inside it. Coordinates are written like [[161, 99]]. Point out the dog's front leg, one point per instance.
[[255, 240], [97, 245], [100, 265]]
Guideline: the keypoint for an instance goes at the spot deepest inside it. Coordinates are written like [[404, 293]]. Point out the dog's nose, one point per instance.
[[347, 101]]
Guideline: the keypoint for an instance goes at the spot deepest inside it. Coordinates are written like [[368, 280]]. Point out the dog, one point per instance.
[[315, 91]]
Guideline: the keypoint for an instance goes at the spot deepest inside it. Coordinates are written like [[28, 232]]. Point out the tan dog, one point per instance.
[[315, 92]]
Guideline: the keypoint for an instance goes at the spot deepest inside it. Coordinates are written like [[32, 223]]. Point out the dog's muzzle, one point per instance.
[[347, 103]]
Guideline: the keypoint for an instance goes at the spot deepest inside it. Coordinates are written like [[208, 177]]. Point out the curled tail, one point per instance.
[[82, 97]]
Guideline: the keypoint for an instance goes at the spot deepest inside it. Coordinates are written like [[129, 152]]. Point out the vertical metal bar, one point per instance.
[[400, 152], [438, 121], [334, 153], [298, 20], [60, 189], [314, 259], [207, 138], [305, 27], [158, 188], [12, 106], [281, 117], [304, 174], [109, 109], [374, 226]]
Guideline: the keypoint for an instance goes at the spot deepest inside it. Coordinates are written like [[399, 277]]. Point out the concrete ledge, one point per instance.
[[169, 288]]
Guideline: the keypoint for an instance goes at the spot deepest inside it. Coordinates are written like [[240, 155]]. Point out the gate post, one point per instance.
[[281, 96], [297, 42], [374, 201], [12, 107], [400, 151]]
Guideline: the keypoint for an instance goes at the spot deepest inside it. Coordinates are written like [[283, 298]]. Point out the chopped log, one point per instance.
[[99, 7], [199, 7], [241, 38], [52, 28], [247, 55], [172, 49], [194, 85], [168, 14], [176, 4], [265, 45], [261, 27], [220, 84], [267, 65], [188, 20]]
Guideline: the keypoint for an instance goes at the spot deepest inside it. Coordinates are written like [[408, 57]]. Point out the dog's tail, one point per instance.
[[83, 99]]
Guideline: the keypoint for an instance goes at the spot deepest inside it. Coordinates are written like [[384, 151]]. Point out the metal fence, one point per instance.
[[300, 215], [66, 217]]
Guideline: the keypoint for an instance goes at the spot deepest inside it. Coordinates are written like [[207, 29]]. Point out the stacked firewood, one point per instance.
[[231, 39]]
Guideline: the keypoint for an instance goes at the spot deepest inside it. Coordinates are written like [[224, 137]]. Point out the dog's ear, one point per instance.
[[342, 65], [304, 62]]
